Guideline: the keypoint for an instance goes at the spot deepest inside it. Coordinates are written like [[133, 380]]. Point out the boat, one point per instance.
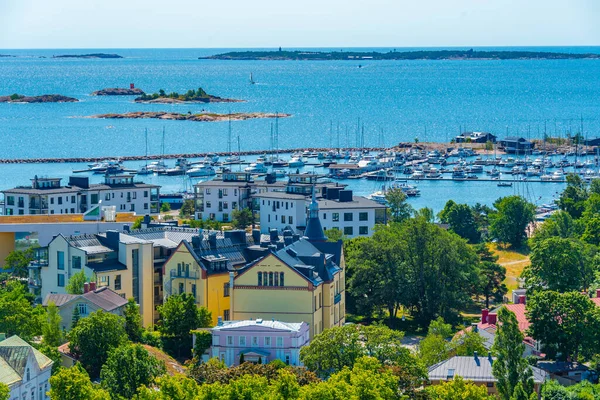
[[180, 168], [252, 81], [201, 170], [434, 173], [417, 175], [341, 174], [558, 176], [504, 184], [381, 175], [296, 162], [234, 158], [459, 175], [256, 168], [280, 173], [110, 166]]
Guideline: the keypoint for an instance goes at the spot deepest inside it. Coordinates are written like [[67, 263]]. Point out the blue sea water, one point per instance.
[[428, 100]]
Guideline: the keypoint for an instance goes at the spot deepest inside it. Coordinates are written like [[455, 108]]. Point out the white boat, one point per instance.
[[417, 175], [279, 173], [256, 168], [296, 162], [533, 172], [558, 176], [201, 170], [181, 166], [233, 159]]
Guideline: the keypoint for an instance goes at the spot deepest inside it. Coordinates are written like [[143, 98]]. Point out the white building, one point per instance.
[[47, 196], [217, 199], [24, 369]]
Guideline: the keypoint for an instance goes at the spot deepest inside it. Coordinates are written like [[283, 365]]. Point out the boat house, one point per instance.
[[513, 144]]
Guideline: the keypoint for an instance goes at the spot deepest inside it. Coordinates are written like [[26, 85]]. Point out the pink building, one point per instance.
[[259, 341]]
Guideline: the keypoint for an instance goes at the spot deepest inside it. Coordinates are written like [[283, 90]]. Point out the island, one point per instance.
[[93, 55], [45, 98], [202, 117], [191, 96], [6, 55], [398, 55], [118, 92]]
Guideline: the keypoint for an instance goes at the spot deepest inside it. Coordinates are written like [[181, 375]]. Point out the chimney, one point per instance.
[[92, 286], [212, 240], [597, 292], [522, 299], [492, 318], [274, 235], [256, 236], [484, 315], [131, 86], [219, 321], [86, 287]]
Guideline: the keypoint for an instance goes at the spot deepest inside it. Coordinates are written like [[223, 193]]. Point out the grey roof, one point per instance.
[[105, 298], [58, 299], [76, 189], [252, 323], [308, 260], [233, 248], [281, 195], [357, 202], [474, 369], [88, 243], [163, 236]]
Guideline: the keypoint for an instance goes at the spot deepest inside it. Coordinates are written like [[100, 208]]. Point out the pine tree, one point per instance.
[[242, 358], [75, 318]]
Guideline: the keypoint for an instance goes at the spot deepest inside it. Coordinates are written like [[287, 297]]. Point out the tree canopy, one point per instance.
[[133, 321], [510, 219], [74, 384], [17, 262], [76, 283], [399, 208]]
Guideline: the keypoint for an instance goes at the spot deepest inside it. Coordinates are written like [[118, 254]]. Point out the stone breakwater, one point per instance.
[[169, 156], [204, 117]]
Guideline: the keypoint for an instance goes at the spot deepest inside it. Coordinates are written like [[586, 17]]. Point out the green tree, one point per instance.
[[567, 324], [443, 215], [426, 213], [365, 380], [510, 368], [436, 346], [462, 222], [17, 316], [559, 224], [334, 235], [399, 208], [491, 277], [179, 315], [286, 386], [165, 207], [187, 209], [51, 332], [95, 337], [127, 368], [468, 343], [18, 261], [458, 389], [203, 342], [75, 317], [4, 391], [558, 264], [591, 234], [74, 384], [572, 199], [133, 321], [52, 353], [512, 216], [75, 284], [242, 218]]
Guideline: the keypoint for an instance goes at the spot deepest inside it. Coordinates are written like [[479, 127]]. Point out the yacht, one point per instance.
[[558, 176], [181, 166], [106, 165], [434, 173], [201, 170], [256, 168], [155, 167], [296, 162], [417, 175], [459, 174], [280, 173], [234, 158]]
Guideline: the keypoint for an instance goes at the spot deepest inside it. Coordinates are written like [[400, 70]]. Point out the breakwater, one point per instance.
[[171, 156]]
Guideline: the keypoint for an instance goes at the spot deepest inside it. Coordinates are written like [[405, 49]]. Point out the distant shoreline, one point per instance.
[[203, 117], [303, 55]]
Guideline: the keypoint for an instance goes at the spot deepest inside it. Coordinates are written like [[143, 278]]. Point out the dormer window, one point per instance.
[[28, 375]]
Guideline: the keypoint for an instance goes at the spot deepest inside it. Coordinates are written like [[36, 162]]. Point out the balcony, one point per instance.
[[34, 283], [38, 264], [337, 298], [184, 274]]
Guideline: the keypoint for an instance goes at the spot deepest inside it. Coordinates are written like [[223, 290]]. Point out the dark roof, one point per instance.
[[314, 230], [308, 260], [105, 298], [107, 265], [58, 298], [561, 366], [76, 189], [514, 139]]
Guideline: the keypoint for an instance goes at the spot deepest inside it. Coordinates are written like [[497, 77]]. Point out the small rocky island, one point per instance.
[[118, 92], [202, 117], [191, 96], [45, 98], [93, 55]]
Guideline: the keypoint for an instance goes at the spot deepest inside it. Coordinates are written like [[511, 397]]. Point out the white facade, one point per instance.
[[31, 381], [279, 210], [220, 200], [352, 222], [47, 196]]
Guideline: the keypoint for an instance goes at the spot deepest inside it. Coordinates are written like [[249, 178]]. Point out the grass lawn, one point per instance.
[[513, 261]]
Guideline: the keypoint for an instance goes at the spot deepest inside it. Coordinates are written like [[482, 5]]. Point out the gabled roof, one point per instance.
[[14, 353], [476, 369], [105, 298]]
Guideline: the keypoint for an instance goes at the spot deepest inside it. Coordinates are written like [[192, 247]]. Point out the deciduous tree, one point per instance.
[[17, 315], [74, 384], [133, 321], [458, 389], [17, 261], [51, 332], [76, 283], [242, 218], [399, 208], [512, 216]]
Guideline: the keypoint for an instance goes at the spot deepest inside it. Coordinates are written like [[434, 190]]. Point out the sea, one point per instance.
[[331, 103]]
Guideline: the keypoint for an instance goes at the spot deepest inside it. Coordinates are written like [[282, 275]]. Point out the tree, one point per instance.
[[179, 315], [491, 277], [51, 332], [242, 218], [133, 321], [75, 317], [203, 342], [74, 384], [399, 208], [572, 199], [95, 337], [187, 209], [559, 224], [558, 264], [567, 324], [512, 216], [17, 316], [510, 368], [165, 207], [18, 261], [76, 282], [52, 353], [334, 235], [436, 346], [177, 387], [591, 234], [426, 213], [462, 222], [443, 215], [127, 368], [458, 389], [4, 391]]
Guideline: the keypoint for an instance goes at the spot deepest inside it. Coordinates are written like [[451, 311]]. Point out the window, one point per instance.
[[242, 340], [181, 288], [450, 375], [225, 192], [28, 375], [265, 279], [279, 341], [51, 201], [208, 205], [104, 281], [107, 197], [72, 199], [254, 341], [145, 206], [225, 217], [145, 193], [10, 200], [283, 219], [134, 195], [60, 260], [363, 230], [290, 220], [72, 211], [259, 279], [268, 341], [335, 217], [270, 279], [281, 279], [287, 359], [76, 263], [207, 191], [348, 217], [348, 230], [61, 280], [118, 282], [225, 205], [60, 200], [194, 290], [234, 205], [229, 340], [83, 309], [363, 216], [226, 316], [93, 198], [276, 279], [226, 289]]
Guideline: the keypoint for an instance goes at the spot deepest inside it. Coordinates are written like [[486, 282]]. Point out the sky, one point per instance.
[[297, 23]]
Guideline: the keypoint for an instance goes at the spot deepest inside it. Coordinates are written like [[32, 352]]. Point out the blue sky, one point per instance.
[[294, 23]]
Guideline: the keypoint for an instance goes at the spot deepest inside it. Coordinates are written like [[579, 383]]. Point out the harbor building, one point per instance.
[[259, 341], [79, 196], [475, 137], [513, 144]]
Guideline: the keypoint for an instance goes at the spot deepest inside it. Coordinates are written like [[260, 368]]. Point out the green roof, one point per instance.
[[14, 353]]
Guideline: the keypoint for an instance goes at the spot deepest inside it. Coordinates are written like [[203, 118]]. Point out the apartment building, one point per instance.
[[48, 196]]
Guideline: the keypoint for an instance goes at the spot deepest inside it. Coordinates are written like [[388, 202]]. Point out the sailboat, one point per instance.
[[252, 82], [233, 158]]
